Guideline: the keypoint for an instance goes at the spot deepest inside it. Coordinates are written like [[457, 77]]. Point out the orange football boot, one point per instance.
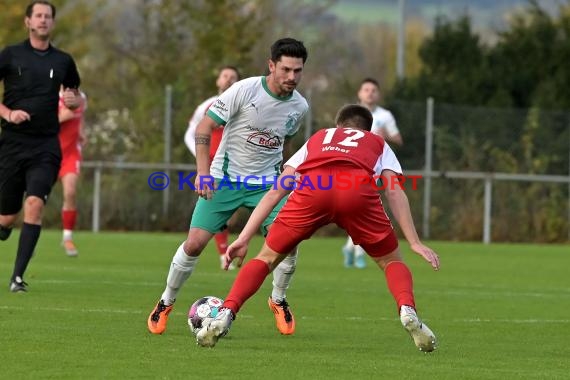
[[284, 318], [159, 317], [69, 248]]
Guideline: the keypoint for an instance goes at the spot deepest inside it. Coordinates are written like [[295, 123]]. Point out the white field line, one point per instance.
[[553, 293], [247, 316]]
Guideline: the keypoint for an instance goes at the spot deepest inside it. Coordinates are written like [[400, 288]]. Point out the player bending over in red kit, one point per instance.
[[350, 152]]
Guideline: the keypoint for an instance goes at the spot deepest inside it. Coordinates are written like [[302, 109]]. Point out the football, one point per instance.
[[203, 309]]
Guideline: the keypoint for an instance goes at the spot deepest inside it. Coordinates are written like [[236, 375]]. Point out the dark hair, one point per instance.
[[30, 8], [288, 47], [354, 116], [370, 80], [230, 67]]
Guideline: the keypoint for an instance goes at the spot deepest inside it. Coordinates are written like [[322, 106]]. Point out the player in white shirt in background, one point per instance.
[[227, 76], [383, 125]]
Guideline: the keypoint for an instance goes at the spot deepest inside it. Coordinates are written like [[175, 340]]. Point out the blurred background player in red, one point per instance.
[[71, 139], [227, 76]]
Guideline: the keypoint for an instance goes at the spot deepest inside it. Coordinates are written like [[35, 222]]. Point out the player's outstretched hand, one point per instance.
[[427, 253], [204, 185], [238, 249]]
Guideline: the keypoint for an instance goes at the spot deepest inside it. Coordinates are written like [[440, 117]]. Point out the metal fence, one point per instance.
[[524, 128], [488, 174], [148, 208]]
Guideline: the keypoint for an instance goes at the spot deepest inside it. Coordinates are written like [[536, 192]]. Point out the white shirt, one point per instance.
[[190, 135], [383, 119], [256, 125]]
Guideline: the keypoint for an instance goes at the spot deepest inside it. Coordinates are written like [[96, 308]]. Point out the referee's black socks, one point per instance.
[[28, 240], [5, 232]]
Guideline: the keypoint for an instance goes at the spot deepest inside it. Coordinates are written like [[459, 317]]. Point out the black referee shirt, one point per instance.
[[32, 79]]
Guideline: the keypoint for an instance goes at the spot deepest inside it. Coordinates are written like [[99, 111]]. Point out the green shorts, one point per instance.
[[212, 215]]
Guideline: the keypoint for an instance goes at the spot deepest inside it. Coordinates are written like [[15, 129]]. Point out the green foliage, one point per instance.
[[129, 51], [526, 68], [452, 61], [12, 20], [528, 54]]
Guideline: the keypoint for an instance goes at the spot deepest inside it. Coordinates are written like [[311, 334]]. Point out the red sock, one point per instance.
[[247, 282], [400, 283], [69, 217], [222, 241]]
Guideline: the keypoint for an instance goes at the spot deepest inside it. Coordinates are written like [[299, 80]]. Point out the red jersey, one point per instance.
[[69, 130], [322, 197], [343, 145]]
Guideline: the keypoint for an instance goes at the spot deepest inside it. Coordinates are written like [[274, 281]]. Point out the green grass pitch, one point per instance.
[[500, 312]]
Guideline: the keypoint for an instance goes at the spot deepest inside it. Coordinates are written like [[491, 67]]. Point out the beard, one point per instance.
[[288, 87]]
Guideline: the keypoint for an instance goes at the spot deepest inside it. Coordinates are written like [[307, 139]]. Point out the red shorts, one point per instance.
[[70, 161], [215, 141], [358, 211]]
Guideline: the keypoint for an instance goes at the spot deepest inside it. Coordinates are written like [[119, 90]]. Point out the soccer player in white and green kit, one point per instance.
[[259, 115]]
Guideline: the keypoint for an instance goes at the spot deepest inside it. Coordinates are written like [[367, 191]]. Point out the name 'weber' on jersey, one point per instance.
[[256, 124]]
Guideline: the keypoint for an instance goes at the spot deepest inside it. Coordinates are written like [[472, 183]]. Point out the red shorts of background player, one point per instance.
[[70, 161], [358, 211], [215, 141]]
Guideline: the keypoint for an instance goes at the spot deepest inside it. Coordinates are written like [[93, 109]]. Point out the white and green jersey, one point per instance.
[[256, 124]]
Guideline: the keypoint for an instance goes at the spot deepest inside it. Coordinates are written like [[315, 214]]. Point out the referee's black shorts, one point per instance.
[[28, 165]]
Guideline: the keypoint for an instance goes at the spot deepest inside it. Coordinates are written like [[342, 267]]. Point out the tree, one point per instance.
[[12, 21], [526, 54], [453, 59]]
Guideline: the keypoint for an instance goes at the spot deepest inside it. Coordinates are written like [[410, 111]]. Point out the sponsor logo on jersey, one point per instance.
[[292, 122], [264, 140], [220, 106]]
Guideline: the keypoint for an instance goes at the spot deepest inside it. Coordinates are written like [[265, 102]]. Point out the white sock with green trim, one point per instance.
[[282, 276], [181, 268]]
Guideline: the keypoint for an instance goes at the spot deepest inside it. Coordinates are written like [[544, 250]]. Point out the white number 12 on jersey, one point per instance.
[[355, 134]]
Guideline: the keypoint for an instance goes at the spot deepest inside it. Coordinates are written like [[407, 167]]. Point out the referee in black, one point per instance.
[[30, 156]]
